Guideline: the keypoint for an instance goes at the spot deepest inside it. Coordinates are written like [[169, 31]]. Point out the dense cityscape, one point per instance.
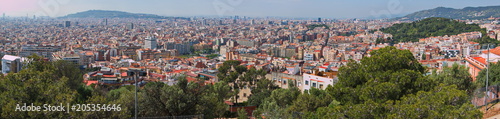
[[250, 67]]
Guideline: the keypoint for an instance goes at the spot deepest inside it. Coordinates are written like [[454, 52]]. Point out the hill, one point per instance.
[[465, 13], [412, 32], [112, 14]]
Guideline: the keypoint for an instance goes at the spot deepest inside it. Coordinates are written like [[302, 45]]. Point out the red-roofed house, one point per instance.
[[476, 64]]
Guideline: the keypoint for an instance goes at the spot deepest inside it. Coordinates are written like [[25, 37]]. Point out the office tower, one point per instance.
[[3, 15], [67, 23], [11, 64], [105, 22], [130, 26], [150, 42], [319, 19]]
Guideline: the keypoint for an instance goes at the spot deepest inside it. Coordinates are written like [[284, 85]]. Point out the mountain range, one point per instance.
[[113, 14], [465, 13]]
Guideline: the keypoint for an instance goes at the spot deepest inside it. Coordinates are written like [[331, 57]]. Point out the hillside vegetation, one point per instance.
[[412, 32], [465, 13]]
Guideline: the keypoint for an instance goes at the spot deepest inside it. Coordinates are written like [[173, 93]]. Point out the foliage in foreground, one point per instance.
[[389, 84]]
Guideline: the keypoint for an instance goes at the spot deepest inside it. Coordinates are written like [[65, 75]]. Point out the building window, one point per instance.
[[321, 86], [313, 84], [244, 94], [284, 81], [307, 83]]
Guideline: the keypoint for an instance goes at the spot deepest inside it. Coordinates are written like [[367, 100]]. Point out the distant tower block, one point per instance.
[[130, 26], [67, 23], [319, 19], [106, 22], [4, 15], [150, 42]]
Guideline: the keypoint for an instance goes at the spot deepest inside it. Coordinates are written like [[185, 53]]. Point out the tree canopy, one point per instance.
[[494, 75], [38, 83], [456, 75], [435, 26], [391, 84]]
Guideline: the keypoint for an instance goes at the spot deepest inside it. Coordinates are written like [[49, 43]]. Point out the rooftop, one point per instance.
[[10, 57]]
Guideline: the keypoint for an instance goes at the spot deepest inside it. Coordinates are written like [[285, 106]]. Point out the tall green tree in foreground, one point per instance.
[[391, 84], [184, 98], [388, 74], [456, 75], [494, 76], [38, 83]]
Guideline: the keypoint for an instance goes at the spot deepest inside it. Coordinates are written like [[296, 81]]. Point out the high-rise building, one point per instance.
[[11, 64], [150, 42], [130, 26], [3, 15], [67, 23], [105, 22], [319, 19]]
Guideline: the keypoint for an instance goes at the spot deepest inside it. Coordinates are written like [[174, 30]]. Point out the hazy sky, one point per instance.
[[253, 8]]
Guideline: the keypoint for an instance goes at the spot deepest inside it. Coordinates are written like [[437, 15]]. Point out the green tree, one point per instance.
[[184, 98], [212, 103], [494, 76], [456, 75], [122, 97], [311, 100], [180, 99], [270, 109], [37, 83], [442, 102], [225, 73], [387, 75], [211, 56], [285, 97], [412, 32], [391, 84], [261, 91], [242, 114], [68, 69]]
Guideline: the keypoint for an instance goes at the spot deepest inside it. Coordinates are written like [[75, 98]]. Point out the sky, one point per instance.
[[252, 8]]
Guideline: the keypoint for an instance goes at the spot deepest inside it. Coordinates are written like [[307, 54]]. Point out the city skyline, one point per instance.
[[254, 8]]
